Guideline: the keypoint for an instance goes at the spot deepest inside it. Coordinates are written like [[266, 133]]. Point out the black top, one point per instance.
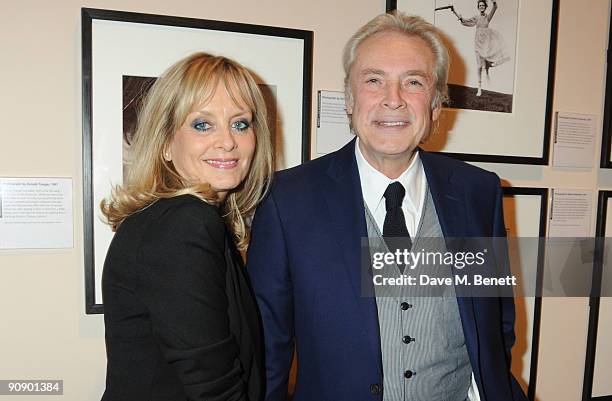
[[181, 321]]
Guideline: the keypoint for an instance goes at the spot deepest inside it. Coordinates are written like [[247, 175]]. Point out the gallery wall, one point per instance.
[[45, 333], [579, 87]]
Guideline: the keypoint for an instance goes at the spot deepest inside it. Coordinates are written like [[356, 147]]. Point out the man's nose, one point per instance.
[[393, 96]]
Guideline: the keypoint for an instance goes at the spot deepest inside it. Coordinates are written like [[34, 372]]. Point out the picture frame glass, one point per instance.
[[128, 55], [523, 217]]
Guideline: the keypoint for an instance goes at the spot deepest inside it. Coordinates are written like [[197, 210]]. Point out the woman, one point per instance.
[[181, 323], [488, 43]]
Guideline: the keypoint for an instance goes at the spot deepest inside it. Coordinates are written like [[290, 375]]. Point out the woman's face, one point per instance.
[[482, 6], [215, 144]]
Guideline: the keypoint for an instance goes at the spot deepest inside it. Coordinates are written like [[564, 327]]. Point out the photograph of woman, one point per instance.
[[488, 43], [482, 49], [181, 322]]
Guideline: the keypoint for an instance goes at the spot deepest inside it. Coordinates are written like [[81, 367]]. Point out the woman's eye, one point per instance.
[[241, 125], [201, 125]]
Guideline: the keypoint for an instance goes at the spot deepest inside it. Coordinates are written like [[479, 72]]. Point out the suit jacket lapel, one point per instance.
[[342, 191], [447, 197]]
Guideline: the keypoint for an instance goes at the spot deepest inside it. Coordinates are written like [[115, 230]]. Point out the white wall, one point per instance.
[[44, 332]]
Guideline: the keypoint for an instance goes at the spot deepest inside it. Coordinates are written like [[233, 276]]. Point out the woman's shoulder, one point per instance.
[[184, 204], [180, 213]]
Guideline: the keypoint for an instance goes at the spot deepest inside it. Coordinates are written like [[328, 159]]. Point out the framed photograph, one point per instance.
[[606, 142], [598, 364], [525, 211], [502, 59], [123, 53]]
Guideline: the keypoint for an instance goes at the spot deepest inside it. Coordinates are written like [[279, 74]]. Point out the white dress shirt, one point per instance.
[[374, 183]]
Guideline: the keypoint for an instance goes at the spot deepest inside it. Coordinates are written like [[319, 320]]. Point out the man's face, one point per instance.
[[392, 85]]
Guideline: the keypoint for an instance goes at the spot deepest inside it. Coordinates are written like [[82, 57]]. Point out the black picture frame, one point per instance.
[[606, 140], [390, 5], [594, 301], [250, 36], [492, 156], [543, 193]]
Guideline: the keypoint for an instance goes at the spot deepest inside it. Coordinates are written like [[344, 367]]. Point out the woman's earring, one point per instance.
[[167, 156]]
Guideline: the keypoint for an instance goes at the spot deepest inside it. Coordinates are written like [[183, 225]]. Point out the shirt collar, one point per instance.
[[374, 183]]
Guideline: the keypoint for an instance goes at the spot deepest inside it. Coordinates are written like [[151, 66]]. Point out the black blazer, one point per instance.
[[181, 321]]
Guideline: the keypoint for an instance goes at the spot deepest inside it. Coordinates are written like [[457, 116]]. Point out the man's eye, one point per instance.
[[201, 125], [241, 125], [416, 84], [373, 81]]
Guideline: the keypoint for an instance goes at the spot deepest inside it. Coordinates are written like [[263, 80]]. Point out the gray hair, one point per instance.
[[409, 25]]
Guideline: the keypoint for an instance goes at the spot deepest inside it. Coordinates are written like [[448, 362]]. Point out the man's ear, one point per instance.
[[435, 113], [347, 103], [348, 99]]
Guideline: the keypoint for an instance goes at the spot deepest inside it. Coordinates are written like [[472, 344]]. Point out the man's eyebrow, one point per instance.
[[416, 72], [377, 71], [374, 71]]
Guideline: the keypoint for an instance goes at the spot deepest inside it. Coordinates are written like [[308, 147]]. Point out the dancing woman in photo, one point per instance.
[[488, 43]]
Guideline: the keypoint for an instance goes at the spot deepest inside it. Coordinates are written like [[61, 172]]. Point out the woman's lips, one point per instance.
[[222, 163]]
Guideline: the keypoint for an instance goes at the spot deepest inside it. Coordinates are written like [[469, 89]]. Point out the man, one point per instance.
[[304, 258]]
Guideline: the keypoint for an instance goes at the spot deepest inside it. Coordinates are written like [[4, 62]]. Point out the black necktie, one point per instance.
[[395, 232]]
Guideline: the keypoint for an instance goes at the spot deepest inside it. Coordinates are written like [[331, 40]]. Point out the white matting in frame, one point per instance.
[[525, 211], [523, 134], [598, 364], [141, 45]]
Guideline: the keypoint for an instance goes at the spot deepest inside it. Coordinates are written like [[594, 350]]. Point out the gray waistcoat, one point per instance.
[[424, 356]]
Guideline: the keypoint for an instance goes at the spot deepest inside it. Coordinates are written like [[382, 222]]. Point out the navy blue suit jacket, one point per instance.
[[304, 263]]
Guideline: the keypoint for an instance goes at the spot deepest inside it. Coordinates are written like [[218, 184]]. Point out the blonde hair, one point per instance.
[[190, 82], [410, 25]]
